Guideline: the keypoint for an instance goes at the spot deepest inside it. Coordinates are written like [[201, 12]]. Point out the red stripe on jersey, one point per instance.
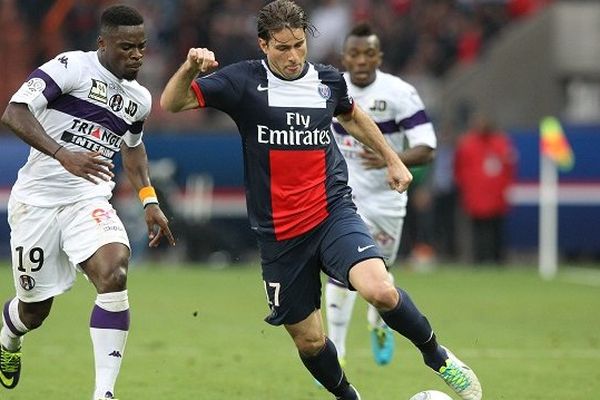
[[198, 93], [298, 197]]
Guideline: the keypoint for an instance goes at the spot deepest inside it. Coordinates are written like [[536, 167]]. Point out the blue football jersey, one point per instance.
[[294, 172]]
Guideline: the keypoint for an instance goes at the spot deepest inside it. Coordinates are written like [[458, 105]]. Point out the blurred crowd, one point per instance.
[[422, 39]]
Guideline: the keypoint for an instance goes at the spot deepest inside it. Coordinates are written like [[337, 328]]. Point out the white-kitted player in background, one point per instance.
[[399, 112], [397, 109]]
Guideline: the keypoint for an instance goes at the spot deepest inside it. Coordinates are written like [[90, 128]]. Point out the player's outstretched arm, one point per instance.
[[87, 165], [362, 127], [178, 95], [135, 163]]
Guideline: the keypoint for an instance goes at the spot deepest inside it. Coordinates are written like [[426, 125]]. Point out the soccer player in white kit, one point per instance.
[[77, 111], [399, 112]]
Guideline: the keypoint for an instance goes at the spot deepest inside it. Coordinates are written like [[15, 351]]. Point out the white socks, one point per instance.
[[8, 338], [339, 303], [109, 326]]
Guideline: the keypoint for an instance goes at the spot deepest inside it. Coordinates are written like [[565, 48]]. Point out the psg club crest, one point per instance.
[[324, 91], [27, 282]]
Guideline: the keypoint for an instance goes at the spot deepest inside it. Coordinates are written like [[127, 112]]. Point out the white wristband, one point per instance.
[[149, 200]]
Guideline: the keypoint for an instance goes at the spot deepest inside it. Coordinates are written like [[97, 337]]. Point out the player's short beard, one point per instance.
[[131, 76]]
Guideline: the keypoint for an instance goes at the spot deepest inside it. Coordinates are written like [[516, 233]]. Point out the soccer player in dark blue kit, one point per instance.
[[298, 200]]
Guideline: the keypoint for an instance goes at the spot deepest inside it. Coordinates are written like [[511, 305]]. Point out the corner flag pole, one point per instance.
[[548, 218], [555, 153]]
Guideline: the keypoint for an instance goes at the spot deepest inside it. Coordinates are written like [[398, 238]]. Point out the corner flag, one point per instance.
[[556, 153], [554, 144]]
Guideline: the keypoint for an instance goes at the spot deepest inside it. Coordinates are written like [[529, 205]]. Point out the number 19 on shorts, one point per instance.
[[35, 259]]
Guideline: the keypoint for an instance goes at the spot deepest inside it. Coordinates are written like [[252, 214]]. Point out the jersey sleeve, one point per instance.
[[46, 83], [413, 119], [133, 136], [345, 103], [222, 89]]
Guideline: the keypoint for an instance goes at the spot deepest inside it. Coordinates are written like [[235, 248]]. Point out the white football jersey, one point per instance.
[[399, 112], [84, 107]]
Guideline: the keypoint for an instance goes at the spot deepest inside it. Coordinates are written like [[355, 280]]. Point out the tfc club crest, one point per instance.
[[116, 102], [27, 282], [104, 218], [383, 238], [99, 215]]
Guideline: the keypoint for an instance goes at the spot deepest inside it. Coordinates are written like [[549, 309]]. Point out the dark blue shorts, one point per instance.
[[291, 268]]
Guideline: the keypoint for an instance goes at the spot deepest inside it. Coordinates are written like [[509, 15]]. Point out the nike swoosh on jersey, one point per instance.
[[361, 249], [262, 88]]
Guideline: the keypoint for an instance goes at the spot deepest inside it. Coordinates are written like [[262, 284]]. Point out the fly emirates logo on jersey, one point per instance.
[[297, 134]]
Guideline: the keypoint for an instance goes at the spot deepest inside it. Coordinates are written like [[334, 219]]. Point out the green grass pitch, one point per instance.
[[197, 333]]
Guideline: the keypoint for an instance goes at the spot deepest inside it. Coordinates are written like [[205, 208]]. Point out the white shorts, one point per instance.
[[47, 244], [387, 232]]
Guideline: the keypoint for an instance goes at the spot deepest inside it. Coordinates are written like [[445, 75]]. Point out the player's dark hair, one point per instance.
[[361, 30], [281, 14], [120, 15]]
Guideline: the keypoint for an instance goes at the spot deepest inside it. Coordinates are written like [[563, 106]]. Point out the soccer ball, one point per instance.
[[431, 395]]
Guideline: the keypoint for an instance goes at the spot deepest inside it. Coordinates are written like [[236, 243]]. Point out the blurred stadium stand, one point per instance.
[[546, 65], [422, 40], [515, 59]]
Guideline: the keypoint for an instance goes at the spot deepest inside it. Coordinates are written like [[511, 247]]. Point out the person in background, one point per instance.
[[298, 200], [398, 111], [484, 169], [77, 111], [444, 194]]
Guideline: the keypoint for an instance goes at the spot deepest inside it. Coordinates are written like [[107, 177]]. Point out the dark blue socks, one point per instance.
[[326, 369], [408, 321]]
